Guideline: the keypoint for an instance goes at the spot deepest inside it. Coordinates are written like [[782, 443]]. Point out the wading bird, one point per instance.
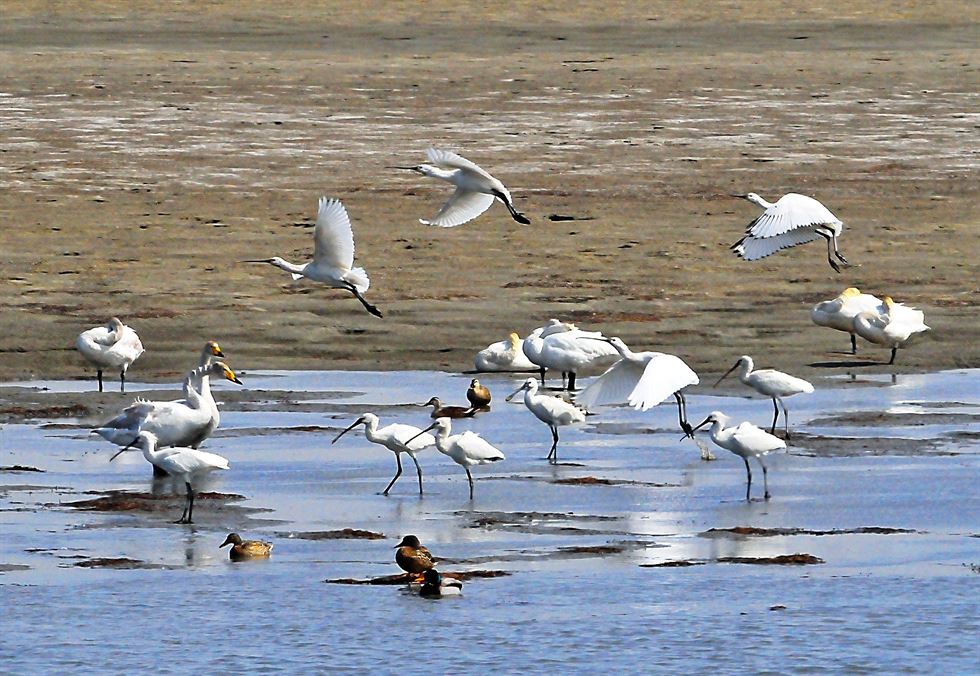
[[333, 255], [771, 383], [793, 219], [436, 586], [504, 355], [187, 464], [478, 396], [746, 441], [475, 191], [642, 380], [466, 449], [114, 345], [890, 325], [242, 550], [397, 438], [412, 557], [440, 411], [840, 312], [552, 411], [562, 350], [532, 345]]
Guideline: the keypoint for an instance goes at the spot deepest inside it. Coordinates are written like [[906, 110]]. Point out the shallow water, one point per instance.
[[880, 602]]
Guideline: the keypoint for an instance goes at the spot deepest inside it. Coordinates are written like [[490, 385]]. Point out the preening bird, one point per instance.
[[746, 441], [771, 383], [187, 464], [552, 411], [478, 395], [333, 255], [839, 312], [242, 550], [890, 325], [793, 219], [412, 557], [475, 191], [114, 345], [504, 355], [642, 380], [466, 449], [397, 438]]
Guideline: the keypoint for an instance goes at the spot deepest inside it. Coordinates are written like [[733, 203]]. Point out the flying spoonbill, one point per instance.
[[504, 355], [771, 383], [466, 449], [186, 464], [552, 411], [839, 313], [397, 438], [478, 395], [891, 325], [793, 219], [333, 255], [114, 345], [641, 379], [412, 557], [242, 550], [746, 441], [475, 191]]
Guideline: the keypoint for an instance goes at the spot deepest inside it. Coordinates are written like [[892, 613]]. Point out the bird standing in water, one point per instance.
[[114, 345], [771, 383], [478, 396], [746, 441]]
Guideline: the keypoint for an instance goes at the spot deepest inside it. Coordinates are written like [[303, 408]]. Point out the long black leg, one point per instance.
[[765, 476], [541, 371], [748, 486], [367, 306], [419, 470], [775, 408], [894, 352], [553, 453], [514, 213], [837, 252], [854, 344], [830, 251], [398, 459], [470, 478], [190, 498], [100, 379], [682, 414], [122, 382], [785, 418]]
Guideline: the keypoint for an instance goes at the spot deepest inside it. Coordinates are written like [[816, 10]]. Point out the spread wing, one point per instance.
[[613, 386], [752, 248], [664, 374], [333, 238], [791, 212], [462, 206], [446, 159]]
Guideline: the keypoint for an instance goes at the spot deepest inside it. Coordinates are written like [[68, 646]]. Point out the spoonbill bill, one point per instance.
[[436, 586], [478, 395], [466, 449], [333, 255], [891, 325], [475, 191], [746, 441], [242, 550], [504, 355], [397, 438], [441, 411], [552, 411], [642, 380], [114, 345], [771, 383], [412, 557], [793, 219], [187, 464], [839, 312]]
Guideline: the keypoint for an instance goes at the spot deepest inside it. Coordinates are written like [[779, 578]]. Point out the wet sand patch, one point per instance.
[[406, 578], [780, 560], [818, 446], [598, 481], [743, 531], [343, 534], [127, 501], [12, 567], [118, 563], [20, 468]]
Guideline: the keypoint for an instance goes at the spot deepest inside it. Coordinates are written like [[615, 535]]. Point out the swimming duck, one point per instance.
[[436, 586], [478, 396], [246, 549], [440, 411], [412, 557]]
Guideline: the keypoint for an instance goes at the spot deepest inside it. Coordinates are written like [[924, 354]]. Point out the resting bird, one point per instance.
[[114, 345], [478, 395], [412, 557], [890, 325], [504, 355], [793, 219], [839, 313], [436, 586], [440, 411]]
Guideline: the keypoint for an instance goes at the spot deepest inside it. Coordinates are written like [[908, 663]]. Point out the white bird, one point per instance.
[[563, 351], [839, 313], [466, 449], [746, 441], [531, 346], [186, 464], [183, 422], [475, 191], [771, 383], [793, 219], [114, 345], [642, 380], [891, 325], [397, 438], [505, 355], [333, 255], [552, 411]]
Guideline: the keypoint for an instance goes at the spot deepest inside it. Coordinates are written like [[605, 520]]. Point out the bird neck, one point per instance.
[[149, 449], [755, 199], [436, 172], [744, 369], [288, 267], [371, 430]]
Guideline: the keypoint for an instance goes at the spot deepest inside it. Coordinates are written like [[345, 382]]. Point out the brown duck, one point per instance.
[[412, 557], [246, 549], [440, 411], [478, 396]]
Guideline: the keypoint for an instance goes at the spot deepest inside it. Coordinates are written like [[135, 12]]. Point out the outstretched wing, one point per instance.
[[333, 238], [613, 386], [791, 212], [664, 375], [446, 159], [752, 248], [462, 206]]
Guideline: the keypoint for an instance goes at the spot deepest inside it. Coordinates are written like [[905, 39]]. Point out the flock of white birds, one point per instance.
[[170, 432]]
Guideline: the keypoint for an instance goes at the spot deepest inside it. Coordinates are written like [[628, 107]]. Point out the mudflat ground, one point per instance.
[[146, 150]]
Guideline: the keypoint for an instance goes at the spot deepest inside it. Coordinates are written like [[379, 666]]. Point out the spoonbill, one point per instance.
[[475, 191], [563, 351], [642, 380], [333, 255], [412, 557], [466, 449], [114, 345], [552, 411], [242, 550], [478, 395], [793, 219], [186, 464], [891, 325], [746, 441], [531, 346], [440, 411], [436, 586], [771, 383], [397, 438], [504, 355], [839, 313]]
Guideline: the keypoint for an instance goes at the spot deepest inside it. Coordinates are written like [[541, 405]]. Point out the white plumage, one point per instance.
[[890, 325], [771, 383], [475, 190], [504, 355], [397, 438], [794, 219], [333, 255], [746, 441], [466, 450], [552, 411], [114, 345], [839, 312], [563, 349]]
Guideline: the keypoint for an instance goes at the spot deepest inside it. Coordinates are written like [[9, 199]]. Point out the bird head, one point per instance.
[[529, 385], [850, 292], [232, 539], [474, 383], [409, 541], [145, 439], [434, 401], [213, 348], [432, 577], [744, 359], [364, 419], [713, 417], [220, 369]]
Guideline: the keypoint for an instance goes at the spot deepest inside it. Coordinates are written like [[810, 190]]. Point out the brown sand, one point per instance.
[[148, 147]]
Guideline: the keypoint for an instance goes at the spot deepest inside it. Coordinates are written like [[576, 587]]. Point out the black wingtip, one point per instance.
[[521, 218]]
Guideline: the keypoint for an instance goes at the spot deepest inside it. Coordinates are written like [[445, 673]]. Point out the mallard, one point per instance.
[[412, 557], [437, 586], [246, 549]]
